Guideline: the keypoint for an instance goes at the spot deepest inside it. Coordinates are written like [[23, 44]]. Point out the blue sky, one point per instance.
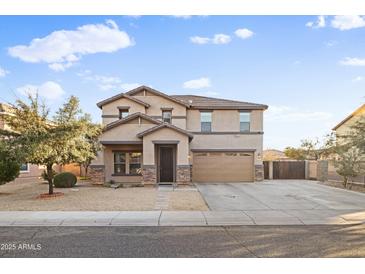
[[310, 70]]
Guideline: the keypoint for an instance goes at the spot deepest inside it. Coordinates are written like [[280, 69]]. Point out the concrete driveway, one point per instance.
[[286, 202]]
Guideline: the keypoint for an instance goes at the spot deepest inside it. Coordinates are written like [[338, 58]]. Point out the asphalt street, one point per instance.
[[146, 242]]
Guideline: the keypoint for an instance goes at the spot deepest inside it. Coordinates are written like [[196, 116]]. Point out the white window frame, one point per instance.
[[249, 121]]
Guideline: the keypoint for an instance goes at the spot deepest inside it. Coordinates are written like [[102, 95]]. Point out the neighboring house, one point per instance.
[[151, 137], [27, 171], [274, 155], [345, 125]]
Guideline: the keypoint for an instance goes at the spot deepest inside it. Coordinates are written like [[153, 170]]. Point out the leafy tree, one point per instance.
[[295, 153], [91, 145], [356, 136], [47, 142], [349, 163], [10, 162], [312, 149]]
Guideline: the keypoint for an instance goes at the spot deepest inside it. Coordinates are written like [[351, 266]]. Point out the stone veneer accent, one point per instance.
[[97, 174], [259, 172], [183, 174], [149, 174]]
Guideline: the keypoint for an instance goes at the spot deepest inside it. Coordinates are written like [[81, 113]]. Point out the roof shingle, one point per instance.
[[201, 102]]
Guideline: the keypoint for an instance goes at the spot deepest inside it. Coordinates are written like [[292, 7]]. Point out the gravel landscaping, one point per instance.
[[87, 197], [355, 187]]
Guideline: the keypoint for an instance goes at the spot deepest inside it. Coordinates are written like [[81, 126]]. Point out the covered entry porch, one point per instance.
[[166, 155]]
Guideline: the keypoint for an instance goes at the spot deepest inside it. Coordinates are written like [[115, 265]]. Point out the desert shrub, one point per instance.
[[65, 179]]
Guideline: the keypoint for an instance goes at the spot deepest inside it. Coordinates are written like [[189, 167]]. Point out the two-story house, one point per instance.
[[152, 137], [344, 126]]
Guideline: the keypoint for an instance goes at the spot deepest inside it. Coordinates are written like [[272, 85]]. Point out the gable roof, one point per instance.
[[357, 111], [121, 95], [165, 125], [201, 102], [129, 118], [156, 92]]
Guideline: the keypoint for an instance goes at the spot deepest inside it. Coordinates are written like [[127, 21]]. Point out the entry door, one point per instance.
[[166, 164]]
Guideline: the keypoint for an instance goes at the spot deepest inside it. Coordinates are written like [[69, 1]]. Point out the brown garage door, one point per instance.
[[223, 167]]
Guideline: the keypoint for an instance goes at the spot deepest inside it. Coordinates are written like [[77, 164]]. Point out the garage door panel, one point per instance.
[[223, 167]]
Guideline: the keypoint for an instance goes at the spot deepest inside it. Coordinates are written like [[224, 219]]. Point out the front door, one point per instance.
[[166, 164]]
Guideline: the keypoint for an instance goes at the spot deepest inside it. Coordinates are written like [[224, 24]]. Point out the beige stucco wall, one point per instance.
[[257, 120], [33, 171], [99, 158], [224, 120], [127, 132], [112, 108], [230, 141], [165, 134], [158, 102], [346, 127], [108, 120]]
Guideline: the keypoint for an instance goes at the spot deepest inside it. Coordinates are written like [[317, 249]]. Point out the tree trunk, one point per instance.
[[345, 182], [50, 178], [86, 169]]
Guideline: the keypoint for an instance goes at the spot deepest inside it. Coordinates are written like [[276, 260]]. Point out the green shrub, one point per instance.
[[65, 179], [9, 165], [45, 176]]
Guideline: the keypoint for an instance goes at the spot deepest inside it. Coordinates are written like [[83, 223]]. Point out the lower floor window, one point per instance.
[[128, 163], [119, 162], [135, 161], [24, 167]]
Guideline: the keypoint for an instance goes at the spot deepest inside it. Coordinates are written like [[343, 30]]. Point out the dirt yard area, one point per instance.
[[355, 187], [87, 197]]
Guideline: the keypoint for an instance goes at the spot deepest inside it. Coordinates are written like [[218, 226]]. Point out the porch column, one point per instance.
[[149, 168]]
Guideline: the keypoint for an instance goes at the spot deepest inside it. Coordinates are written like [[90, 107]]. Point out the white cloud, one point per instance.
[[203, 82], [346, 22], [349, 61], [107, 82], [320, 23], [358, 79], [290, 114], [129, 86], [331, 43], [49, 90], [182, 16], [3, 72], [244, 33], [221, 39], [217, 39], [62, 48], [199, 40]]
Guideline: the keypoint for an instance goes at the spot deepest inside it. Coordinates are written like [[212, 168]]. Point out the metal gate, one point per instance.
[[289, 170], [266, 170]]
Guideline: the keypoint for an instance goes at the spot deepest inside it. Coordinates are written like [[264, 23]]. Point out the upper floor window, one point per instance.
[[206, 121], [123, 113], [245, 120], [166, 116]]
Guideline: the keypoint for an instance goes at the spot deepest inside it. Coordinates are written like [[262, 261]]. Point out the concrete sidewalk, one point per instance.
[[181, 218]]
